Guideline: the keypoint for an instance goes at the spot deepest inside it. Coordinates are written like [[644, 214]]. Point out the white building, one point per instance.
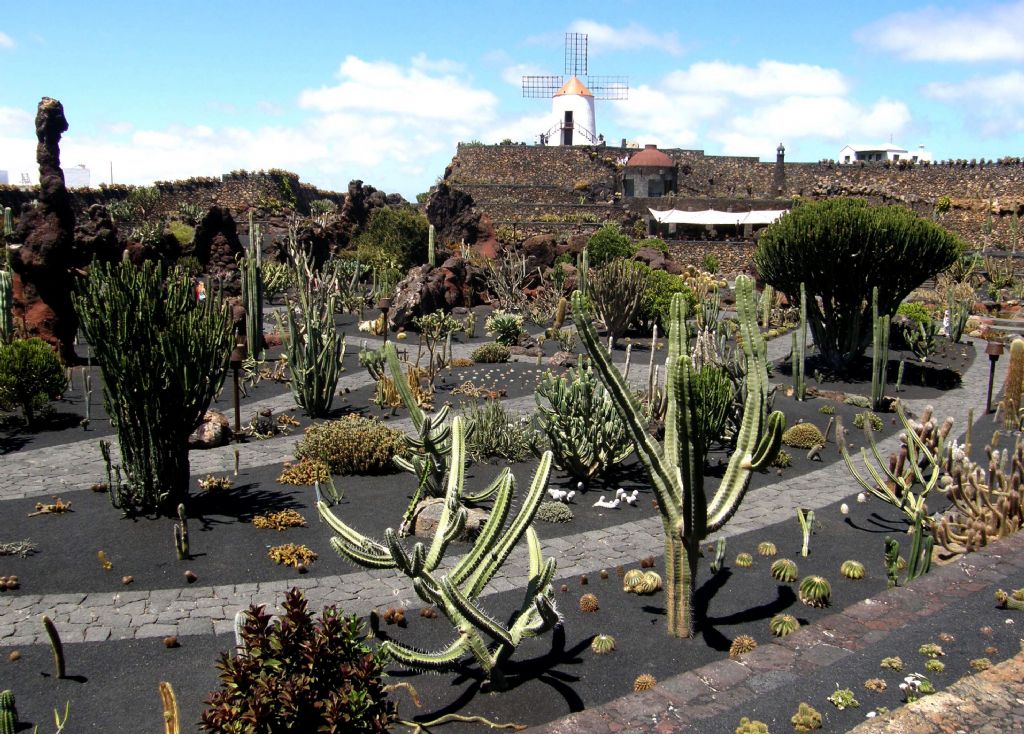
[[573, 110], [77, 177], [883, 152]]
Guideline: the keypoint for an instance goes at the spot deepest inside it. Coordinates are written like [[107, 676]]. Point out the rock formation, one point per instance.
[[426, 289], [216, 246], [456, 220], [44, 262]]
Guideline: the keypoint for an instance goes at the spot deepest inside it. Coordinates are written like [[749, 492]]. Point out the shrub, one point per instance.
[[841, 249], [352, 445], [556, 512], [916, 312], [295, 673], [491, 352], [803, 436], [31, 375], [400, 233], [661, 286], [182, 232], [505, 327], [607, 244], [494, 432], [710, 263], [653, 242]]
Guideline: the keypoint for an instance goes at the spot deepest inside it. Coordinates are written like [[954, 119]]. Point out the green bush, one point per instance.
[[917, 312], [31, 375], [842, 249], [398, 233], [493, 432], [656, 242], [491, 352], [506, 328], [352, 445], [297, 673], [661, 286], [182, 232], [607, 244]]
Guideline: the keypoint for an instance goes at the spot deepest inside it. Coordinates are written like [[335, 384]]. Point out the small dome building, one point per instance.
[[649, 173]]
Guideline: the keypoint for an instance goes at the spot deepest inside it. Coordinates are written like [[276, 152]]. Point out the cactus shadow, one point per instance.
[[708, 626], [877, 524], [239, 504]]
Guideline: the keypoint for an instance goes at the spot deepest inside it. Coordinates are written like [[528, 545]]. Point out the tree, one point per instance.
[[842, 248], [31, 374], [397, 232]]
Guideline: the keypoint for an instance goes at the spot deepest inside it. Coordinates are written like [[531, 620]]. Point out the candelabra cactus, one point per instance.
[[251, 268], [675, 467], [800, 348], [456, 592], [879, 352]]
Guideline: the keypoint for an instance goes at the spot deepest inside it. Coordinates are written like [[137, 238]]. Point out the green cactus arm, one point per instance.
[[647, 448], [520, 524], [475, 614], [430, 662], [688, 455], [415, 411], [770, 443], [361, 557], [404, 464], [541, 617], [405, 564], [453, 513], [489, 533], [350, 537], [426, 589], [487, 491]]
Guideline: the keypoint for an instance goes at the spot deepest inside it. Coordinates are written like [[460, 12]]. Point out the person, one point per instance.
[[201, 291]]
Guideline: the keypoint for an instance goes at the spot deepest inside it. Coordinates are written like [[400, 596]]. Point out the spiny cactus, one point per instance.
[[589, 604], [644, 682], [251, 268], [632, 579], [806, 520], [456, 593], [649, 584], [6, 304], [803, 436], [617, 291], [675, 467], [815, 591], [181, 545], [783, 624], [766, 549], [784, 570], [602, 644], [806, 718], [719, 559], [852, 569], [751, 727], [741, 646], [879, 352], [744, 560], [799, 354], [56, 646], [8, 713], [1013, 600]]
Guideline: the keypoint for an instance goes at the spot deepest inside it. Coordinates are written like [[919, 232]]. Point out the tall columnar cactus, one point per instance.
[[164, 356], [800, 348], [457, 591], [1013, 388], [8, 714], [767, 297], [314, 346], [959, 312], [251, 267], [8, 231], [616, 291], [675, 467], [879, 353], [6, 304], [430, 247]]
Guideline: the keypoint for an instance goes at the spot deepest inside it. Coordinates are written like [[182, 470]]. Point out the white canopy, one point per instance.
[[713, 216]]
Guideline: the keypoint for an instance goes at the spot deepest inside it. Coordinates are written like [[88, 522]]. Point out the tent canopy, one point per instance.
[[714, 216]]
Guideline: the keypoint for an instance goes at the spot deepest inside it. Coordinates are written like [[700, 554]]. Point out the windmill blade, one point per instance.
[[609, 87], [542, 86], [576, 54]]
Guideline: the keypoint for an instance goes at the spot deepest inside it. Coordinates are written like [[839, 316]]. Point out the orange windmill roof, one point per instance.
[[574, 86]]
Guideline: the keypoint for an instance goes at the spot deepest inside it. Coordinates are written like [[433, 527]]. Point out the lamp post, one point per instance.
[[994, 350], [384, 304], [236, 359]]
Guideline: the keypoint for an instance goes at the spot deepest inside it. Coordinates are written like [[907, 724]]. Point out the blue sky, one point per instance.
[[384, 91]]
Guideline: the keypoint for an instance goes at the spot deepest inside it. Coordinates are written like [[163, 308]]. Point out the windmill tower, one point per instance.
[[572, 100]]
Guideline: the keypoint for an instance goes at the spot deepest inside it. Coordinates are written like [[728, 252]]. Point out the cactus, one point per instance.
[[852, 570], [783, 624], [181, 535], [56, 647], [644, 682], [602, 644], [719, 560], [588, 604], [675, 468], [6, 306], [170, 706], [806, 519], [1010, 405], [899, 376], [806, 719], [803, 436], [616, 292], [251, 268], [649, 584], [741, 646], [767, 296], [744, 560], [456, 593], [1012, 600], [815, 591], [751, 727], [560, 309], [632, 580], [8, 713], [582, 275], [800, 348], [959, 312], [766, 549], [879, 352], [784, 570], [430, 247]]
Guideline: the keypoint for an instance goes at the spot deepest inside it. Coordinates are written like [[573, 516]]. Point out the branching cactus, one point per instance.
[[879, 353], [457, 592], [251, 267], [675, 468], [800, 348]]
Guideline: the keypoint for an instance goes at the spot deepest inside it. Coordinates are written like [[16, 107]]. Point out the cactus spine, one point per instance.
[[430, 247], [879, 352], [251, 268], [455, 592], [56, 647], [800, 348], [675, 467]]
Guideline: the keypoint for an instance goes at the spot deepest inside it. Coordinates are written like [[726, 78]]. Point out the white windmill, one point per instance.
[[572, 100]]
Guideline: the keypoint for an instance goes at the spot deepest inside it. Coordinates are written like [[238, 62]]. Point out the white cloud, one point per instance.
[[14, 121], [632, 36], [514, 74], [941, 34], [655, 116], [767, 79], [992, 105], [6, 42]]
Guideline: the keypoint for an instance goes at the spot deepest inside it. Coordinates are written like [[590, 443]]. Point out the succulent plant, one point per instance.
[[894, 663], [871, 418], [784, 570], [279, 520], [1013, 600], [852, 569], [491, 353], [649, 584], [935, 666], [875, 684], [843, 698], [815, 591], [931, 650], [8, 713], [588, 603], [291, 554], [306, 472], [644, 682], [632, 578], [806, 718], [803, 436], [741, 645], [782, 460], [766, 549], [751, 727], [744, 560], [602, 644], [827, 409], [783, 624], [556, 512], [980, 664]]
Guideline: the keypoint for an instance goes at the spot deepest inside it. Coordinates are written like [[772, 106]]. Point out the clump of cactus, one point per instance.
[[741, 646], [766, 549], [751, 727], [931, 650], [491, 353], [815, 591], [870, 418], [980, 664], [806, 718], [556, 512], [213, 483], [588, 603], [843, 698], [279, 520], [877, 685], [784, 570], [783, 624], [935, 666], [782, 460], [744, 560], [827, 409], [852, 570], [649, 584], [803, 436], [602, 644], [1012, 600], [894, 663], [632, 579], [292, 554], [305, 472], [644, 682]]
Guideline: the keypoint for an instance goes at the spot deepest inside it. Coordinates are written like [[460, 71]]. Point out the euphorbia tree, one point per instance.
[[676, 467]]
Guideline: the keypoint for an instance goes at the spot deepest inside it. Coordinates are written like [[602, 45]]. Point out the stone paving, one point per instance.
[[201, 610]]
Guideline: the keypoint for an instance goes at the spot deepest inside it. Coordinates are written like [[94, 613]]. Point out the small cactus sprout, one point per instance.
[[876, 685], [766, 549], [649, 584], [751, 727], [946, 637], [935, 666], [744, 560], [980, 664], [815, 591], [893, 663], [741, 646], [784, 570], [632, 578], [852, 569], [843, 698], [588, 603], [783, 624], [806, 718], [931, 650], [602, 644], [644, 682]]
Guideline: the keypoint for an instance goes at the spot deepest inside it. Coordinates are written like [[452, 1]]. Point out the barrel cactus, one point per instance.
[[784, 570], [783, 624], [815, 591]]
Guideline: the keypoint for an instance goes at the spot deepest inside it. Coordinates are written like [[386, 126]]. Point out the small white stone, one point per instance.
[[844, 509]]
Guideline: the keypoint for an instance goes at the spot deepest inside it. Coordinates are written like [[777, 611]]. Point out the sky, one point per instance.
[[383, 92]]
